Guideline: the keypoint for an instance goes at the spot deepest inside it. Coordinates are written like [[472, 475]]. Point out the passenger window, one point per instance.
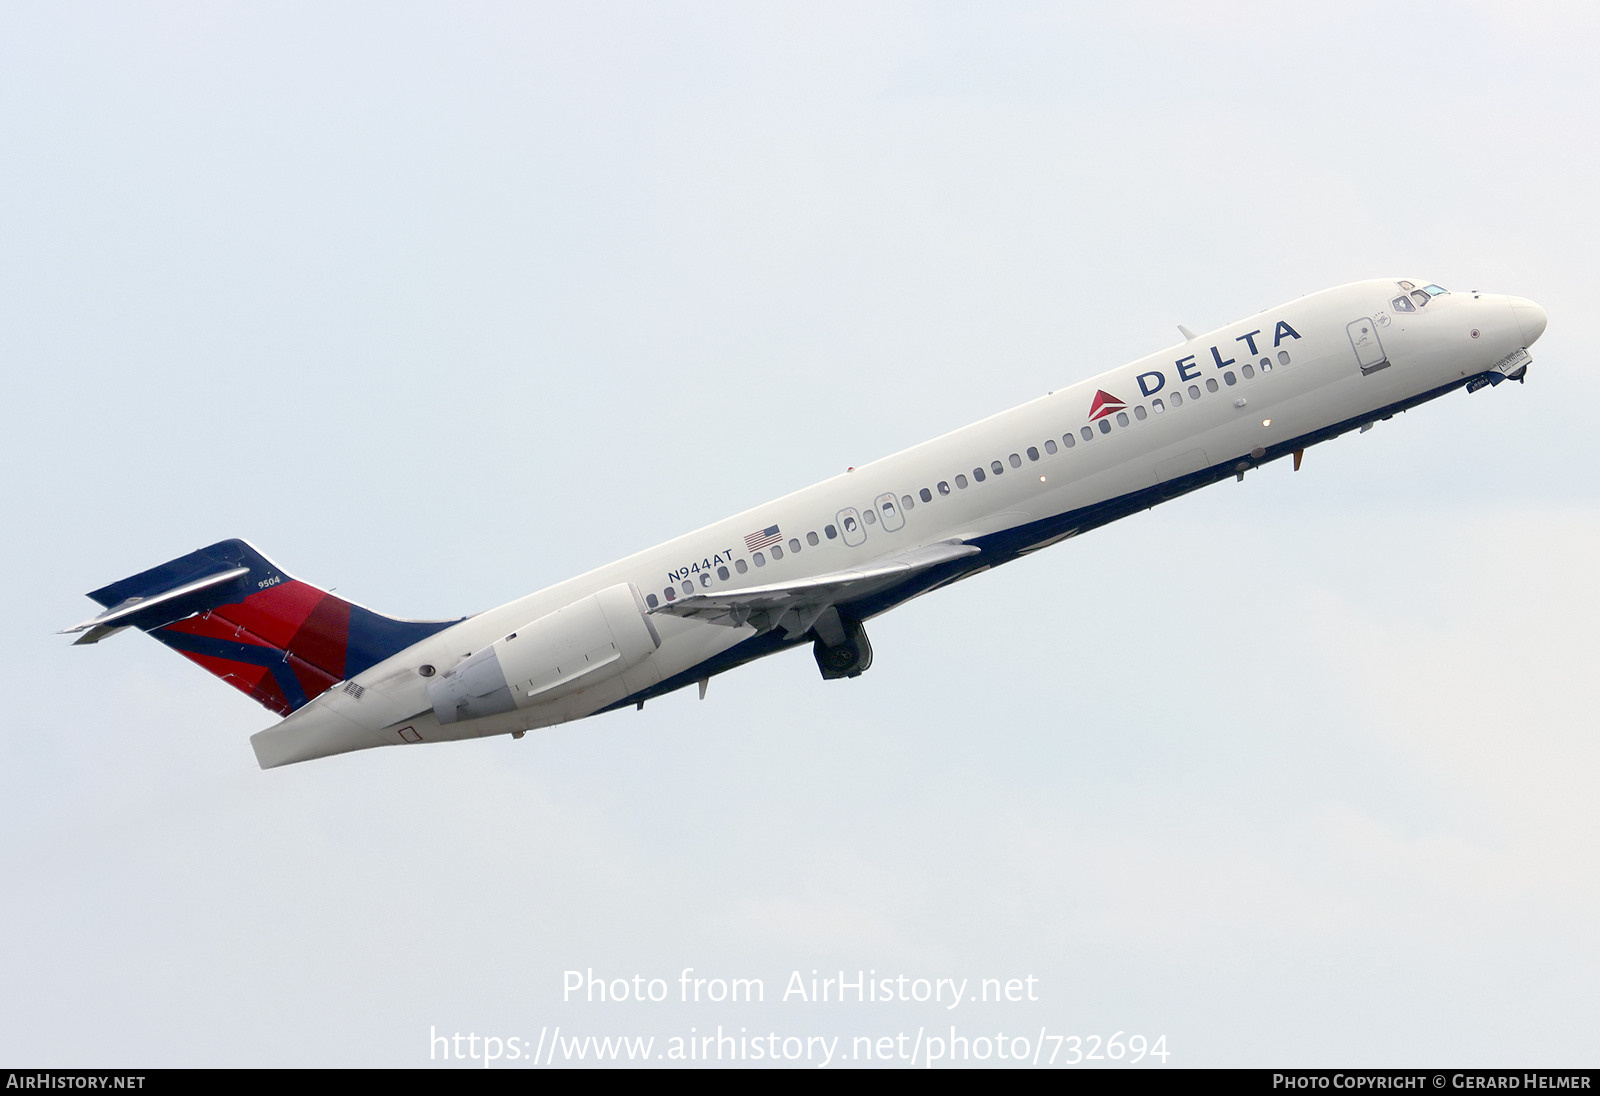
[[794, 545], [1140, 413], [1016, 461], [927, 496], [1050, 447], [705, 578], [1266, 365], [1033, 454], [1248, 370], [672, 595], [961, 482], [829, 531], [1088, 433], [1283, 357], [870, 516], [722, 573], [1211, 384], [977, 474], [1069, 440], [760, 560], [893, 518], [688, 588], [944, 487], [777, 551], [997, 467], [850, 527], [740, 566], [1122, 418], [651, 600], [811, 539], [1229, 379], [1157, 406], [1105, 426], [906, 503], [1194, 391], [1403, 304], [1177, 399]]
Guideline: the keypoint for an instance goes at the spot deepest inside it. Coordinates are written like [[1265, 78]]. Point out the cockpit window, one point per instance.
[[1435, 290], [1408, 285], [1403, 304], [1420, 297]]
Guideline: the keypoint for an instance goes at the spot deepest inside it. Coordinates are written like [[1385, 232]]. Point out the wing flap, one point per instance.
[[796, 604]]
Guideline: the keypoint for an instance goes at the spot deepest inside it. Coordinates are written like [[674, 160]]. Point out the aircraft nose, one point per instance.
[[1530, 319]]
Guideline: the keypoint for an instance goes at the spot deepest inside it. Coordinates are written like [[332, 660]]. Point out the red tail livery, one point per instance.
[[236, 614]]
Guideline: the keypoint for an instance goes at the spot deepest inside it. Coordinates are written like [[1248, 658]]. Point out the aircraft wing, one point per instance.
[[795, 605]]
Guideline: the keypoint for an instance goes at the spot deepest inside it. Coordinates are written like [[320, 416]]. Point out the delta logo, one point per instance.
[[1104, 404]]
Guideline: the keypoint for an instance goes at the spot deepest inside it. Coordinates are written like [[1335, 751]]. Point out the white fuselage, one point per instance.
[[1216, 404]]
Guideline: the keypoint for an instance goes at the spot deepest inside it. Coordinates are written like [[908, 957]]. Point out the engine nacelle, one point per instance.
[[570, 649]]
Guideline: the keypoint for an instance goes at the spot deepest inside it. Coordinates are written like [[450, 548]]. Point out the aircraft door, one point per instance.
[[1369, 351], [889, 512], [850, 527]]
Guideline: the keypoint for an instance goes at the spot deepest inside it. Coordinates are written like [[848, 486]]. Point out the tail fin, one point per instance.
[[237, 615]]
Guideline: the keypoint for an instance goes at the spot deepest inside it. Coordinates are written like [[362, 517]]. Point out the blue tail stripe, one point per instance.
[[247, 653]]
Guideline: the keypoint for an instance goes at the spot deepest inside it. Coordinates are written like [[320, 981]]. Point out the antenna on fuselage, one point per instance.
[[1189, 336]]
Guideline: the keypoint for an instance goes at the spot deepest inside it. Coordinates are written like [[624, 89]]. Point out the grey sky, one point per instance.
[[440, 304]]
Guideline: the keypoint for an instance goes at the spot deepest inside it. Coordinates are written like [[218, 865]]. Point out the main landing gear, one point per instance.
[[840, 646]]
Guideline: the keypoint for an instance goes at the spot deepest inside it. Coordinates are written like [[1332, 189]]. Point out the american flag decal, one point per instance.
[[758, 540]]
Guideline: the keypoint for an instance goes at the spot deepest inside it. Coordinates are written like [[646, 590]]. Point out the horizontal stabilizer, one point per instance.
[[96, 633], [140, 603]]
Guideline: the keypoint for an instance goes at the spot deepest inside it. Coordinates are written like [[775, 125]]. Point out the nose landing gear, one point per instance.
[[1513, 367]]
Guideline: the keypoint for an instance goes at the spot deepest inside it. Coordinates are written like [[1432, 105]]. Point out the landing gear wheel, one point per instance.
[[850, 658], [836, 661]]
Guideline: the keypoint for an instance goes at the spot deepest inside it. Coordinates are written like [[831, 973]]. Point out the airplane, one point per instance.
[[814, 566]]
